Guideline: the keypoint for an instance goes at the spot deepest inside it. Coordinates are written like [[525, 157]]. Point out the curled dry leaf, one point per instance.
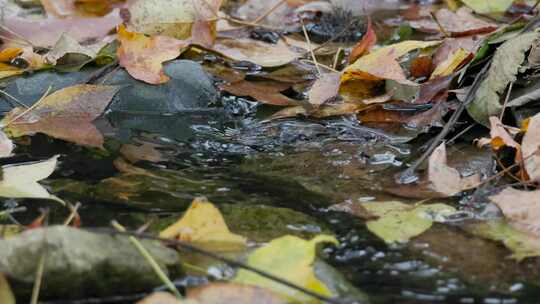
[[143, 56], [67, 45], [65, 114], [203, 225]]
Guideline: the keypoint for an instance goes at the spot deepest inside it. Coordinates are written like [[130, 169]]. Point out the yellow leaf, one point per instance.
[[488, 6], [290, 258], [382, 63], [452, 63], [6, 295], [203, 225]]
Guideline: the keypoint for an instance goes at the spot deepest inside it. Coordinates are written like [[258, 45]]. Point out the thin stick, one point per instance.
[[155, 266], [268, 12], [231, 262], [30, 108], [311, 48], [41, 266], [14, 98], [506, 100], [321, 65], [445, 33], [73, 213]]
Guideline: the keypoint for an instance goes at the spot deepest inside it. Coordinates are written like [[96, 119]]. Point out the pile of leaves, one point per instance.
[[441, 70]]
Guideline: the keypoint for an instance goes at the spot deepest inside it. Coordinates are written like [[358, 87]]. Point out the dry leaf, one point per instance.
[[65, 114], [460, 23], [530, 148], [325, 88], [143, 56], [369, 40], [268, 92], [522, 208]]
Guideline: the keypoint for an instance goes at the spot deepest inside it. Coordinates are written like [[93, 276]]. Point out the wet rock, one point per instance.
[[81, 264], [189, 88]]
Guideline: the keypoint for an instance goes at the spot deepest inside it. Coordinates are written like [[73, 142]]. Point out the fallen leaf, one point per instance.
[[382, 63], [290, 258], [369, 40], [500, 137], [8, 54], [444, 179], [488, 7], [503, 70], [143, 56], [69, 52], [324, 89], [530, 149], [65, 114], [267, 92], [160, 297], [6, 295], [46, 32], [460, 23], [21, 180], [399, 222], [6, 145], [203, 225], [453, 63], [521, 208], [258, 52], [421, 66], [522, 244], [228, 293], [169, 17]]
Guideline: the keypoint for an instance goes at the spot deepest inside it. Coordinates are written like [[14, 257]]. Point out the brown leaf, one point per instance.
[[460, 23], [268, 92], [143, 56], [324, 89], [65, 114], [46, 32], [369, 40], [421, 66], [522, 208]]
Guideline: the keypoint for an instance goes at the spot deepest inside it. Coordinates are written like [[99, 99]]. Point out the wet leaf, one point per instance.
[[6, 295], [503, 70], [523, 245], [399, 222], [170, 18], [324, 89], [65, 114], [68, 52], [487, 7], [369, 40], [143, 56], [290, 258], [267, 92], [521, 208], [21, 180], [203, 225], [382, 63], [444, 179]]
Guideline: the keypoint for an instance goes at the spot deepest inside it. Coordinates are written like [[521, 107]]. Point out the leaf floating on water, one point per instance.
[[399, 222], [290, 258], [65, 114], [21, 180], [203, 225], [522, 244]]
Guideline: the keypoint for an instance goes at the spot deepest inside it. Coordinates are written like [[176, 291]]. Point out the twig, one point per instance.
[[445, 33], [320, 65], [30, 108], [408, 176], [41, 265], [231, 262], [506, 100], [310, 48], [14, 98], [155, 266], [74, 210]]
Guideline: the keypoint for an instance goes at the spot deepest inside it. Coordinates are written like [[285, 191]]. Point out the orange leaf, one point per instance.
[[368, 41], [143, 56]]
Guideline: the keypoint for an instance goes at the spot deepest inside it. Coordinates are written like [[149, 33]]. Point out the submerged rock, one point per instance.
[[81, 264]]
